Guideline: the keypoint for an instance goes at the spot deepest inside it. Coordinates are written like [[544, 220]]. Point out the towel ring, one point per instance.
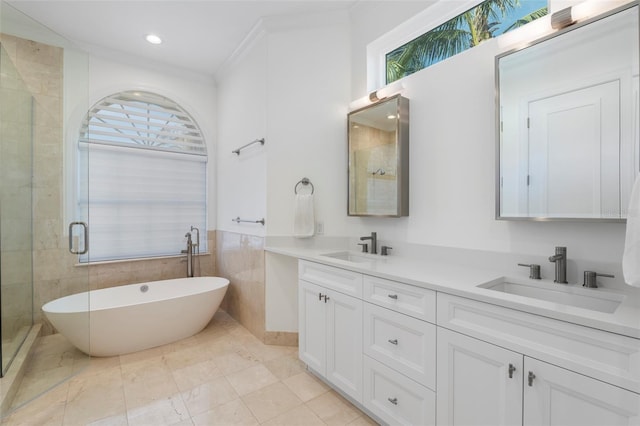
[[305, 181]]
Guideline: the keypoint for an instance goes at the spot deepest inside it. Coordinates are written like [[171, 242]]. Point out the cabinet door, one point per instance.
[[477, 383], [556, 396], [312, 345], [344, 343]]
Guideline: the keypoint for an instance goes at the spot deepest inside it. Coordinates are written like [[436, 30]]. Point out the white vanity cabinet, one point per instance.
[[368, 337], [482, 383], [330, 325], [478, 383]]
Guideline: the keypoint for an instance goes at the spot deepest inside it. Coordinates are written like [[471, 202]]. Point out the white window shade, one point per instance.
[[143, 183]]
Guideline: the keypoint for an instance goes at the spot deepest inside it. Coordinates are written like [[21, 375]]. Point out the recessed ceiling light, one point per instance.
[[153, 39]]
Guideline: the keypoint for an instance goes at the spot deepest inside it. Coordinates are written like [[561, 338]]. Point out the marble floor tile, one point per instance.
[[251, 379], [93, 397], [301, 415], [221, 376], [271, 401], [233, 413], [165, 411], [286, 366], [333, 409], [306, 386], [208, 396]]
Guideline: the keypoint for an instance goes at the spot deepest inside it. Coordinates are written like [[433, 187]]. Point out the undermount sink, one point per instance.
[[565, 294], [352, 257]]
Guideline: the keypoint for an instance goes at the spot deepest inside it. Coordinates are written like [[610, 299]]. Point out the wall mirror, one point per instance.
[[567, 122], [379, 159]]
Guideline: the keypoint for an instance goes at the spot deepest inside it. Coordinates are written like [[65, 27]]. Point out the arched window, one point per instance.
[[141, 178]]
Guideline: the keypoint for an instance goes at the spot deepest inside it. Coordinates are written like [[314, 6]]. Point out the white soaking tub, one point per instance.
[[130, 318]]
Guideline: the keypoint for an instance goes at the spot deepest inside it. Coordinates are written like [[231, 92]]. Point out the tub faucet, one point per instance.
[[189, 252], [560, 259], [374, 242]]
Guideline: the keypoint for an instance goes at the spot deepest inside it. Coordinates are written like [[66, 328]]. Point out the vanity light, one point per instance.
[[562, 18], [377, 95], [153, 39]]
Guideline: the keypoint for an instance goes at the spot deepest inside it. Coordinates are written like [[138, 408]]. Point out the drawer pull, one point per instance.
[[394, 401], [512, 368], [393, 342], [531, 377], [393, 296]]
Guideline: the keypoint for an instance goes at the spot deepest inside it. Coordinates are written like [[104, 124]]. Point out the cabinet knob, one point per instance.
[[512, 368], [325, 298], [393, 296], [531, 377], [394, 401], [393, 342], [319, 296]]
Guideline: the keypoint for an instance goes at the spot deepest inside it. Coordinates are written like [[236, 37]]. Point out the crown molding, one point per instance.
[[278, 24]]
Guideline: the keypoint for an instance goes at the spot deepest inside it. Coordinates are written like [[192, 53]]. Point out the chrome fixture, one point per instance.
[[590, 278], [365, 247], [189, 253], [197, 244], [237, 151], [534, 270], [304, 182], [560, 259], [238, 220], [384, 250], [374, 242]]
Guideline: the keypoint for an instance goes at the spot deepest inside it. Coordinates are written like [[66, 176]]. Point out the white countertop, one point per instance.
[[460, 280]]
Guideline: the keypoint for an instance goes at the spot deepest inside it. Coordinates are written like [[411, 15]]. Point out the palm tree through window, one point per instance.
[[489, 19]]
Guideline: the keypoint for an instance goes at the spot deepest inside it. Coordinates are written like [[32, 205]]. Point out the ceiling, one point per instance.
[[199, 35]]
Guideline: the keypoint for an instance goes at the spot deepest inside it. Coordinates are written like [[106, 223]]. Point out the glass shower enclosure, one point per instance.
[[16, 224], [43, 99]]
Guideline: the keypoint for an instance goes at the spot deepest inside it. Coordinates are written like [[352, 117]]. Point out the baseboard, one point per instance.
[[281, 338]]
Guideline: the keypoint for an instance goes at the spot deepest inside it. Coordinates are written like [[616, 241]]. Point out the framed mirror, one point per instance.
[[567, 112], [378, 138]]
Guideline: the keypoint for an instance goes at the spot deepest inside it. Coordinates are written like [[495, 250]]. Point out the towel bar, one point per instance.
[[237, 151], [238, 220]]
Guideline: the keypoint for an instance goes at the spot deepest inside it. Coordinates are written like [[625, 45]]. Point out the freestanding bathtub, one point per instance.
[[130, 318]]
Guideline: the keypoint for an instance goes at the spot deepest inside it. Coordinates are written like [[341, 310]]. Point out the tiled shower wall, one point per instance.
[[55, 272]]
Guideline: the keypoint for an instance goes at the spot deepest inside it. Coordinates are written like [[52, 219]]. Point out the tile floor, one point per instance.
[[221, 376]]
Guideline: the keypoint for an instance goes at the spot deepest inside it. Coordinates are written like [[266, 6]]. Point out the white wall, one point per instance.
[[196, 93], [242, 118], [452, 166]]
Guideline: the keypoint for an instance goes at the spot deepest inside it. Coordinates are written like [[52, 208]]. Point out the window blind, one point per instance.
[[142, 178]]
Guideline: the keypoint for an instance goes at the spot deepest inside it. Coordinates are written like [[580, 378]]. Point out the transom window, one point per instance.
[[142, 177], [487, 20]]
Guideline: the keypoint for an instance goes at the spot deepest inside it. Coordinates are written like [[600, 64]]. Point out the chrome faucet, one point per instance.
[[374, 242], [189, 252], [560, 259]]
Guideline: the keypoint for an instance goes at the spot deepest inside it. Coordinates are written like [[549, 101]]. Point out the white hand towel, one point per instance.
[[304, 220], [631, 255]]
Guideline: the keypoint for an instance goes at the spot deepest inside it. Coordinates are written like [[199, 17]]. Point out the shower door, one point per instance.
[[44, 91], [16, 225]]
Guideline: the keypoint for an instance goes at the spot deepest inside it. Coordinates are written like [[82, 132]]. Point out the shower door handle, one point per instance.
[[85, 237]]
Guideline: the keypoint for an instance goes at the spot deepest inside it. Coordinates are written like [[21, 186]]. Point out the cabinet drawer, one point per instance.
[[595, 353], [347, 282], [406, 344], [411, 300], [395, 398]]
